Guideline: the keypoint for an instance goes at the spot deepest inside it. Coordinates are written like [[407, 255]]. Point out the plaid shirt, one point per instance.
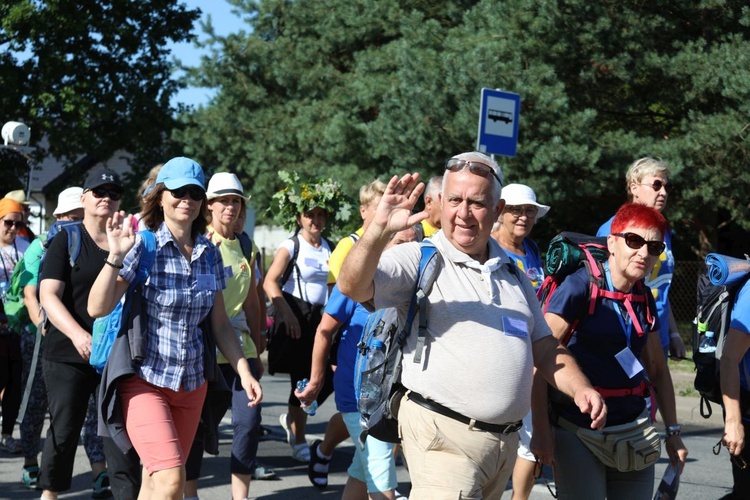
[[178, 295]]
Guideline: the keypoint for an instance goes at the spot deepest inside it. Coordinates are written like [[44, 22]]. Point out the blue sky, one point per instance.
[[224, 22]]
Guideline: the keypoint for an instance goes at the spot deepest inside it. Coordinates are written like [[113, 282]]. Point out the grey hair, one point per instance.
[[497, 187], [433, 187]]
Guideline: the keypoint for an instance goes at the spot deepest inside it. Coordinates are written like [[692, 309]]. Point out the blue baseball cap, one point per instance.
[[181, 171]]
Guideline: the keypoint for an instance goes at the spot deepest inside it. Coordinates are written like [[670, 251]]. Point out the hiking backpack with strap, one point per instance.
[[713, 314], [377, 381], [108, 327], [566, 254], [15, 307]]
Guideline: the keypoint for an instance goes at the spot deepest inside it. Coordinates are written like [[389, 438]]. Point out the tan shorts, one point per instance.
[[447, 460]]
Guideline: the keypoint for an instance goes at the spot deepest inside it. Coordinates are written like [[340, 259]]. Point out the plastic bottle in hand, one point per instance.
[[309, 409], [708, 343], [370, 390]]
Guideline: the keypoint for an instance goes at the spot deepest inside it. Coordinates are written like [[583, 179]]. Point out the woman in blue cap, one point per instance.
[[162, 403]]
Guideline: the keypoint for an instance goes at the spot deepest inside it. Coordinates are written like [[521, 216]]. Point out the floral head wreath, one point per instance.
[[299, 197]]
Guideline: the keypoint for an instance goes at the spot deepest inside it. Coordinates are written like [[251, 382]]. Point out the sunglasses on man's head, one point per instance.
[[10, 223], [636, 241], [102, 192], [194, 192], [475, 167], [658, 184]]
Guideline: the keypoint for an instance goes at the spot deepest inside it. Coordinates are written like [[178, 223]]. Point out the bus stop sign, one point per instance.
[[498, 122]]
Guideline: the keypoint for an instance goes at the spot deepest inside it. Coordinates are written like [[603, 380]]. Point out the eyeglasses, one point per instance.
[[10, 223], [101, 192], [517, 211], [475, 167], [636, 242], [658, 184], [194, 192]]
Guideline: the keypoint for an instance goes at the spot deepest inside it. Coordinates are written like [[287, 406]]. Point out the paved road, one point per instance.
[[706, 476]]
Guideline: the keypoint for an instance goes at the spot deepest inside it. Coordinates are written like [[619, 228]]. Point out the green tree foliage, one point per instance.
[[360, 89], [91, 76]]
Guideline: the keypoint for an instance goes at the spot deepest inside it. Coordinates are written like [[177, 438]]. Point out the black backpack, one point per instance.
[[713, 313]]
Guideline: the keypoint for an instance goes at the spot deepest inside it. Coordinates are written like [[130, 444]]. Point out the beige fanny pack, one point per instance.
[[627, 447]]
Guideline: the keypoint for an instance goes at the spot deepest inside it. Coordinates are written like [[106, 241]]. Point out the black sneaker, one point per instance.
[[101, 487]]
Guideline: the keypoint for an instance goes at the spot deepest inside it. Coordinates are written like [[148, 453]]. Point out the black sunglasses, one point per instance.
[[636, 241], [10, 223], [194, 192], [102, 192], [475, 167], [658, 184]]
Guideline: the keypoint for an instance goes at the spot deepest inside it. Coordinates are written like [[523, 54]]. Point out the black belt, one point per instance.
[[473, 424]]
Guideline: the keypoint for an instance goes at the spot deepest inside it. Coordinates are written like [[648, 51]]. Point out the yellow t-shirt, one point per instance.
[[240, 282], [428, 229], [336, 260]]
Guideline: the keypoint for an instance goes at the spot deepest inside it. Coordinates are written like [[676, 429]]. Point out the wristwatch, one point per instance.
[[674, 430]]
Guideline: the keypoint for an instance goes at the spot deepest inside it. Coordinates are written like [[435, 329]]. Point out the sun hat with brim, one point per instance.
[[18, 195], [181, 171], [225, 184], [68, 200], [521, 194]]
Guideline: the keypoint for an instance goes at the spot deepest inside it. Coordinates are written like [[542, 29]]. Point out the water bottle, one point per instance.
[[369, 391], [309, 409], [3, 290], [708, 343]]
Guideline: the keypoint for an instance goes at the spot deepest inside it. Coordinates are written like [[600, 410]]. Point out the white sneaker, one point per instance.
[[301, 452], [284, 421]]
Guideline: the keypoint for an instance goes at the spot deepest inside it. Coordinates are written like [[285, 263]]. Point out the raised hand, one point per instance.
[[120, 235], [394, 212]]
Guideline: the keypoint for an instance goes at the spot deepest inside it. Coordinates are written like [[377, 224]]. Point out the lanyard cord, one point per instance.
[[13, 263]]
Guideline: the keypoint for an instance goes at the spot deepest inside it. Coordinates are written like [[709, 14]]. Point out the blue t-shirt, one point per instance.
[[741, 321], [353, 317], [659, 281], [530, 264], [595, 342]]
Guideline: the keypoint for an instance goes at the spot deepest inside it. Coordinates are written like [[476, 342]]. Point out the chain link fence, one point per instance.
[[682, 296]]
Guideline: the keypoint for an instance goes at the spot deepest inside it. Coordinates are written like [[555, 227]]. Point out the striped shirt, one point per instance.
[[178, 296]]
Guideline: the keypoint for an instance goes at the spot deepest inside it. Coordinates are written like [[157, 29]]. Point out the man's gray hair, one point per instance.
[[497, 187], [432, 189]]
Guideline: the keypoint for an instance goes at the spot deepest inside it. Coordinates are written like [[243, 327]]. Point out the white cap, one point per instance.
[[68, 200], [224, 184], [521, 194]]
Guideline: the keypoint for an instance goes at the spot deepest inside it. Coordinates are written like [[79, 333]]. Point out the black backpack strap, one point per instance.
[[246, 244], [292, 262]]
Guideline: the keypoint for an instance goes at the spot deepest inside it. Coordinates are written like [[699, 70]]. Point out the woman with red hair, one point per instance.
[[619, 350]]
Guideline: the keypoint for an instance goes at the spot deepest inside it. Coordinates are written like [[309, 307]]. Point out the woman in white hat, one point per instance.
[[514, 226], [225, 202], [512, 232]]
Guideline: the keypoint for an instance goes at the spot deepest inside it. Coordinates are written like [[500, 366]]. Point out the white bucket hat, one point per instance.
[[225, 184], [521, 194], [68, 200]]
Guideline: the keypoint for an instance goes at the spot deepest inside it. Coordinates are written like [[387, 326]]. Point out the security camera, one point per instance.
[[16, 134]]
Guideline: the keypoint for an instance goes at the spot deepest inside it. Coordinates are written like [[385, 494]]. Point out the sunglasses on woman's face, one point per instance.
[[475, 167], [658, 184], [102, 192], [636, 242], [11, 223], [194, 192]]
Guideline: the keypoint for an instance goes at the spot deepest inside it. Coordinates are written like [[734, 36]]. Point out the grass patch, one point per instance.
[[683, 366]]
